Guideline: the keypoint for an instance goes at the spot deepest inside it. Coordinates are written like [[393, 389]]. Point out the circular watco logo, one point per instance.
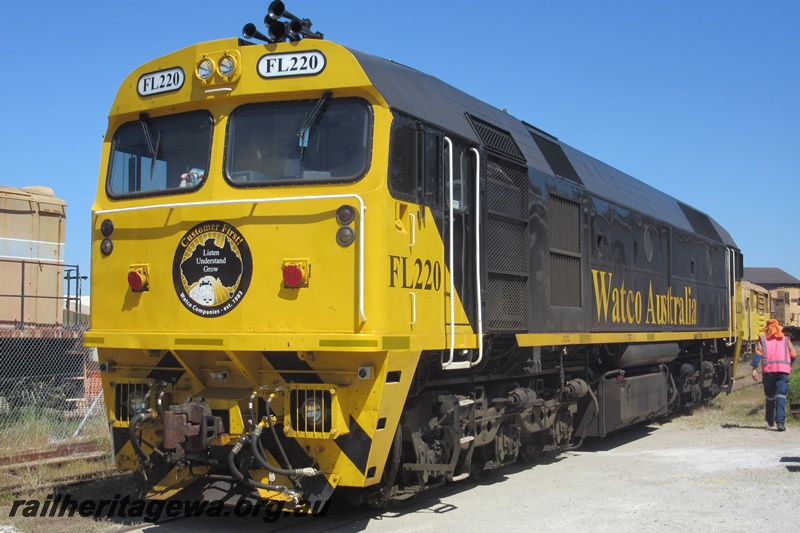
[[212, 268]]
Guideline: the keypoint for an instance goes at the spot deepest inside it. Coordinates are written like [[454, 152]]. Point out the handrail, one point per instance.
[[450, 259], [450, 363], [730, 276], [478, 290], [362, 209]]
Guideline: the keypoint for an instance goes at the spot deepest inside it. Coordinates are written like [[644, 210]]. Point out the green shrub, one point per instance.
[[794, 386]]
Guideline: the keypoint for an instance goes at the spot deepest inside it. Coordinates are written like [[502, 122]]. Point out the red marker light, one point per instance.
[[292, 276], [345, 214], [136, 280]]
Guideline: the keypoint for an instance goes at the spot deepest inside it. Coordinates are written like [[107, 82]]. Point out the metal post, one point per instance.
[[88, 413], [22, 297]]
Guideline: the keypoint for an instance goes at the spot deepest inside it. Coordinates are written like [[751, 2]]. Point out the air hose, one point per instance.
[[134, 423], [271, 427], [252, 482], [262, 460]]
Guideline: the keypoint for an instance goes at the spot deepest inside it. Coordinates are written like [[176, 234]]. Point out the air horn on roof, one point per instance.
[[293, 29]]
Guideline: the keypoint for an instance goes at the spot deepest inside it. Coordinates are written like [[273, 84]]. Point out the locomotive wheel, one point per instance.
[[696, 394], [382, 497], [533, 453], [480, 474], [398, 503]]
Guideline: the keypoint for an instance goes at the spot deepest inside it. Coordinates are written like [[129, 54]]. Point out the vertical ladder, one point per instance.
[[462, 457]]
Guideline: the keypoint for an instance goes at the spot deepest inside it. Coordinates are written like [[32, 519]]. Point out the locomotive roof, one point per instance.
[[424, 96]]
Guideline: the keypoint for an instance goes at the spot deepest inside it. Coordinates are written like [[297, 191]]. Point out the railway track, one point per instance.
[[18, 473]]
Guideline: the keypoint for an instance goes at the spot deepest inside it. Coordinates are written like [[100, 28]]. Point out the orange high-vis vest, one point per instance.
[[777, 357]]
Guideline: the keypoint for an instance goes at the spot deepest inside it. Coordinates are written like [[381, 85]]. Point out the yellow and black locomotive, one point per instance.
[[315, 268]]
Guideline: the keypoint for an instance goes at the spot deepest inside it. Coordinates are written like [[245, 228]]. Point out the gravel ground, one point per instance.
[[720, 470], [669, 477]]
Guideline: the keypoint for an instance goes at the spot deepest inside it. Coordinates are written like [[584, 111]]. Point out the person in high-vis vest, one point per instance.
[[776, 354]]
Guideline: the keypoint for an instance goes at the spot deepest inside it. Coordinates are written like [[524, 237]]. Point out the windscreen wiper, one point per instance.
[[305, 130], [148, 137]]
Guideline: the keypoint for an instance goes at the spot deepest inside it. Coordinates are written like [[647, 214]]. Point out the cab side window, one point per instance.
[[433, 168], [415, 162], [463, 173], [404, 161]]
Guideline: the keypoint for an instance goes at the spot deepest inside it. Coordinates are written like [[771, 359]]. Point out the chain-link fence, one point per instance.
[[52, 416]]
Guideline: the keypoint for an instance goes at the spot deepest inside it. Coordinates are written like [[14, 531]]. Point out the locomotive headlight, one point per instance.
[[136, 402], [312, 411], [227, 66], [314, 415], [205, 68]]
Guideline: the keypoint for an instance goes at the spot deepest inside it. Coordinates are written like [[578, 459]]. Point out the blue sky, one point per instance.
[[700, 99]]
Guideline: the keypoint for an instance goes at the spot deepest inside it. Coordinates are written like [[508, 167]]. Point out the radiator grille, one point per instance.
[[507, 185], [507, 245], [507, 302], [506, 229], [565, 225], [565, 278], [565, 252]]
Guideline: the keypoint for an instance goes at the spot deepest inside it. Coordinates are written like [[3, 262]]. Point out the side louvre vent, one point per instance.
[[701, 224], [565, 252], [556, 158], [496, 139]]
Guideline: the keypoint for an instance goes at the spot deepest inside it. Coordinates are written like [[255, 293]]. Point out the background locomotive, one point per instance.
[[755, 313], [314, 268]]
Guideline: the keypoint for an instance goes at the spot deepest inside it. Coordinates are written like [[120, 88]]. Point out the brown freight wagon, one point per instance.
[[40, 355]]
